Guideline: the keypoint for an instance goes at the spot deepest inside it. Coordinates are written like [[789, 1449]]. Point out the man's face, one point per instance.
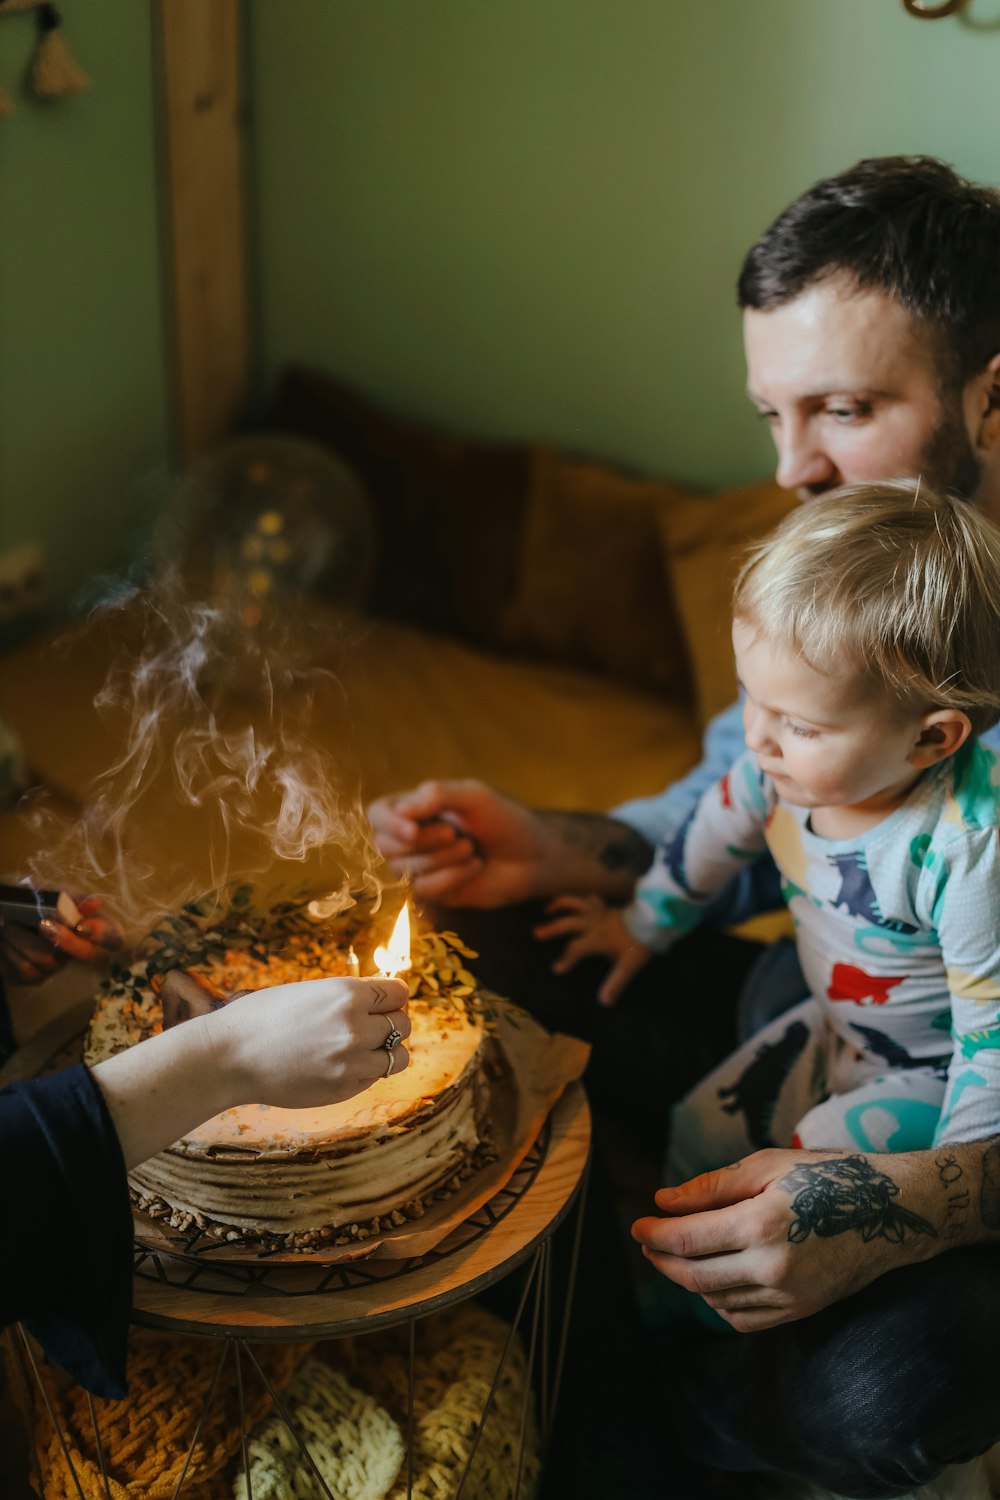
[[848, 384]]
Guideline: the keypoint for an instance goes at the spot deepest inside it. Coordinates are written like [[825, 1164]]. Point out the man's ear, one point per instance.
[[985, 392], [942, 732]]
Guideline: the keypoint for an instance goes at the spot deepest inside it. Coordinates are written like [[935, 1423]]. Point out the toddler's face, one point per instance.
[[824, 741]]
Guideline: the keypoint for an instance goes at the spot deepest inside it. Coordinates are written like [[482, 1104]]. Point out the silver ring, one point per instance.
[[394, 1037], [391, 1064]]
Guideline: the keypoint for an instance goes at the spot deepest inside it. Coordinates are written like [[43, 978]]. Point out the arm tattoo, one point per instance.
[[989, 1194], [843, 1193], [614, 845], [958, 1201]]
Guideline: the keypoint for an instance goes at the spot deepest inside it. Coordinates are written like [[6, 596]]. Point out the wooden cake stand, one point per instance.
[[194, 1292]]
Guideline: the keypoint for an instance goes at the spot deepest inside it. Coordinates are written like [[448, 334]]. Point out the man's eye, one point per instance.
[[856, 413], [766, 416]]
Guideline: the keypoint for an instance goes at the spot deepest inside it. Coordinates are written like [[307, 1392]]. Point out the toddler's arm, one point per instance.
[[723, 834], [966, 879]]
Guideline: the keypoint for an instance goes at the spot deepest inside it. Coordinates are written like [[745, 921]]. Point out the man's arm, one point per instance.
[[784, 1233], [959, 892], [464, 844], [600, 854]]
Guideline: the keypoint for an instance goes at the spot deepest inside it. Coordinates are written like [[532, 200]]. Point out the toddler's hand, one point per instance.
[[593, 927]]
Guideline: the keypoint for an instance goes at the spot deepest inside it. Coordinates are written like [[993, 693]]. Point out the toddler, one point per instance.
[[867, 640]]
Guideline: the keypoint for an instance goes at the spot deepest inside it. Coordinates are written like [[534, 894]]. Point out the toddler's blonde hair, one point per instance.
[[892, 582]]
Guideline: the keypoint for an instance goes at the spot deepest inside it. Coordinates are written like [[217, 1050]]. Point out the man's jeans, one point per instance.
[[871, 1397]]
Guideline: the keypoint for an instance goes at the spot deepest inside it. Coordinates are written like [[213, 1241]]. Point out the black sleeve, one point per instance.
[[66, 1253]]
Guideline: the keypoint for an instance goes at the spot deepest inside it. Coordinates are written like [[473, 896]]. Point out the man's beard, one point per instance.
[[948, 461]]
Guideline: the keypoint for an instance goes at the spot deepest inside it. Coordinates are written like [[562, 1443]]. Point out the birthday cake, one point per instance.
[[305, 1179]]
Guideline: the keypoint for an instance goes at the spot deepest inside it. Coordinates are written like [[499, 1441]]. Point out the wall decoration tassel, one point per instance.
[[55, 73]]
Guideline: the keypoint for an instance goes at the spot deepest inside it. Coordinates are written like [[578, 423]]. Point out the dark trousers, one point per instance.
[[871, 1397], [608, 1432], [677, 1019]]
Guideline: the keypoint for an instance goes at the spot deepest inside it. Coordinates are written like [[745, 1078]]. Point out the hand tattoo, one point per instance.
[[843, 1193]]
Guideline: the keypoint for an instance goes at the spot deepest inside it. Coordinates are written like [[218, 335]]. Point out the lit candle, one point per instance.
[[396, 957]]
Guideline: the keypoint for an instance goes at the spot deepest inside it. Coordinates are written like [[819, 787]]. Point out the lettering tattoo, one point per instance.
[[958, 1199], [846, 1193], [614, 845], [989, 1193]]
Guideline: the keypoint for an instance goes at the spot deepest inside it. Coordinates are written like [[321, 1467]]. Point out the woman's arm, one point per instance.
[[65, 1137], [316, 1042]]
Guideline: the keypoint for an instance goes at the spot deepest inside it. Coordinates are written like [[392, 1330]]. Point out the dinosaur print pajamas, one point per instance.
[[898, 932]]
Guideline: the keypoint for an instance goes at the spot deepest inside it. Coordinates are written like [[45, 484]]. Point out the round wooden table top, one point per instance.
[[182, 1295]]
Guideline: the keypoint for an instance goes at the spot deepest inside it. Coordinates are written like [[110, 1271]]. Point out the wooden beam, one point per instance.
[[199, 65]]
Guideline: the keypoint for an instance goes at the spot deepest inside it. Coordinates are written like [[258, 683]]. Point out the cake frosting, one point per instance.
[[305, 1178]]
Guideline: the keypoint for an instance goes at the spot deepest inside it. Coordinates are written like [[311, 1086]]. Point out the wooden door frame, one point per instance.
[[198, 48]]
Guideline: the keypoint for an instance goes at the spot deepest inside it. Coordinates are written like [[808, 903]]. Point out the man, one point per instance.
[[872, 332]]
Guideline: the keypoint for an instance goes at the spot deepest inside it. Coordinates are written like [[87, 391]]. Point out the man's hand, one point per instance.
[[29, 957], [594, 927], [784, 1233], [460, 842]]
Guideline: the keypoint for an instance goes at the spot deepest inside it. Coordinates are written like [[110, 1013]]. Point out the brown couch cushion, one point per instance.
[[503, 545], [592, 587], [449, 510], [703, 542]]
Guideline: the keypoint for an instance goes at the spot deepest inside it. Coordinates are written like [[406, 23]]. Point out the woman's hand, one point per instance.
[[29, 956], [316, 1042], [594, 928]]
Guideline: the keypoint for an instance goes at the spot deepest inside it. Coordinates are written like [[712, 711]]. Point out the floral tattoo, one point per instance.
[[834, 1195]]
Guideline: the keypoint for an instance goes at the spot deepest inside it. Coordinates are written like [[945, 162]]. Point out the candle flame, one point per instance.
[[396, 957]]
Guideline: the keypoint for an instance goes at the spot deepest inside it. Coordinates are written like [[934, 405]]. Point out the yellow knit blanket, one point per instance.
[[348, 1401]]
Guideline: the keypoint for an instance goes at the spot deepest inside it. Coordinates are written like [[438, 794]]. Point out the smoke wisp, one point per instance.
[[232, 762]]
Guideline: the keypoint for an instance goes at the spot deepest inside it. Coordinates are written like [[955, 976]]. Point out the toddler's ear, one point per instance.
[[942, 732]]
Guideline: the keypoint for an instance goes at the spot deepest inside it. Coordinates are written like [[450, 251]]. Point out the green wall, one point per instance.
[[525, 217], [83, 408], [508, 217]]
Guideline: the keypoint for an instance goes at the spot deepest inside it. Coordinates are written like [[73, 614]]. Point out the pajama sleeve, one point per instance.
[[659, 817], [966, 911], [721, 836]]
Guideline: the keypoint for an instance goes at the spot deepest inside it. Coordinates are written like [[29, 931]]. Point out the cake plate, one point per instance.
[[186, 1292]]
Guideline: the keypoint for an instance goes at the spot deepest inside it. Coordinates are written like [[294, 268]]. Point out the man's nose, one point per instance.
[[802, 463]]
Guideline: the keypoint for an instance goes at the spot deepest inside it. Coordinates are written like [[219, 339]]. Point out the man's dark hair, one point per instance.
[[907, 226]]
